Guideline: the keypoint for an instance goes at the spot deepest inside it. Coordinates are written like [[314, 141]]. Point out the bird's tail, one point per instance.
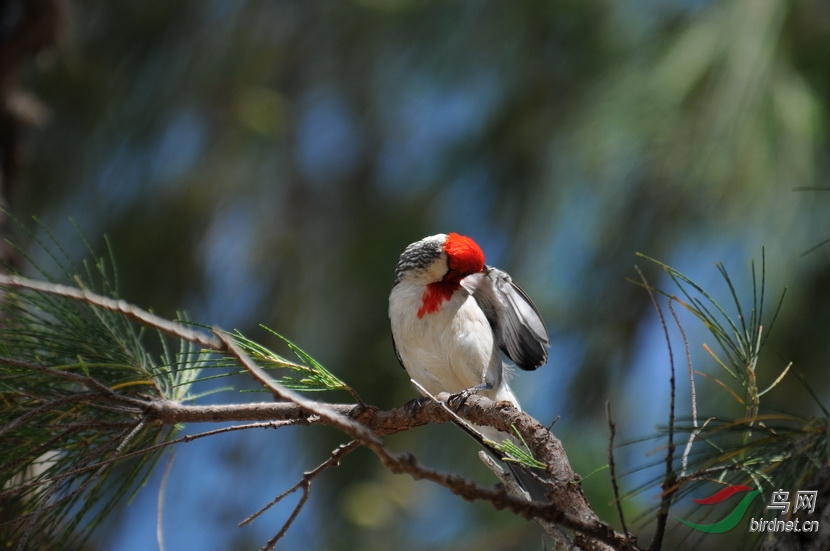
[[530, 482], [529, 479]]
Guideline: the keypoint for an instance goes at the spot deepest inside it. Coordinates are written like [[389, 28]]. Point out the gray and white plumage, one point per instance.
[[451, 314], [519, 329]]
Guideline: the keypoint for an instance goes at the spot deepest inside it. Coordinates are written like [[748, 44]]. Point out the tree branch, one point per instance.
[[669, 478], [569, 509], [568, 506], [366, 424], [305, 484], [172, 328]]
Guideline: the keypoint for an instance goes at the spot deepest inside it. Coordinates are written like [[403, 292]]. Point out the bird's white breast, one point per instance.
[[449, 350]]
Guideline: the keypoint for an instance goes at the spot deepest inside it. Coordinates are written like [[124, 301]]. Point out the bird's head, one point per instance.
[[440, 258]]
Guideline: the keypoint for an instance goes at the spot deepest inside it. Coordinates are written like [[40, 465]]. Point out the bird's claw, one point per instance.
[[455, 401], [460, 398], [414, 405]]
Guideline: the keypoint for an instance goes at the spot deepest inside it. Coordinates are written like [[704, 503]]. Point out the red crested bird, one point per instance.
[[450, 316]]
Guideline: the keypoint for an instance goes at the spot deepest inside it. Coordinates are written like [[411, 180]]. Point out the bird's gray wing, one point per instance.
[[519, 329]]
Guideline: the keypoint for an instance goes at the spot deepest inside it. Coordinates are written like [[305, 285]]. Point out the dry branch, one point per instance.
[[567, 507]]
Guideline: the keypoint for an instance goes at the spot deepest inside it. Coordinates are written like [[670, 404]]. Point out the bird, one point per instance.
[[452, 315]]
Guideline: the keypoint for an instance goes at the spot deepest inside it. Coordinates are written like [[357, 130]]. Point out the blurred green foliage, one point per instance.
[[265, 163]]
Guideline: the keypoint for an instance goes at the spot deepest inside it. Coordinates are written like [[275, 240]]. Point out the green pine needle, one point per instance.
[[59, 358], [742, 336], [309, 376], [75, 378], [765, 449], [517, 454]]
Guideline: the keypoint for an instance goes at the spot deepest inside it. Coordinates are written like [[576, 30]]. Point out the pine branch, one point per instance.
[[153, 413], [77, 379], [573, 514], [174, 329]]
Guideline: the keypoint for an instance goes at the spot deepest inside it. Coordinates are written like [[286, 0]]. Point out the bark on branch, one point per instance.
[[568, 508]]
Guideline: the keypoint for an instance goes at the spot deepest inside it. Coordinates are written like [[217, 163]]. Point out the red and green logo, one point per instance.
[[733, 518]]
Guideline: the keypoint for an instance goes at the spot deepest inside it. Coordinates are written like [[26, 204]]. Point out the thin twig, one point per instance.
[[336, 455], [48, 406], [305, 483], [58, 373], [175, 329], [612, 427], [46, 504], [31, 455], [591, 532], [668, 484], [326, 413], [116, 454], [32, 518], [271, 543], [149, 449], [692, 391], [591, 527], [360, 421]]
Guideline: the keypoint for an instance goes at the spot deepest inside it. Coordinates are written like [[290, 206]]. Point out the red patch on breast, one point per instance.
[[435, 295], [464, 257]]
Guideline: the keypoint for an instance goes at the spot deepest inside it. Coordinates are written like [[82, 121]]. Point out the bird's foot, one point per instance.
[[458, 399], [414, 405]]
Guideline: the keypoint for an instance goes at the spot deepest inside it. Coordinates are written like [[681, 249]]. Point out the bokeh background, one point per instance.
[[262, 162]]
